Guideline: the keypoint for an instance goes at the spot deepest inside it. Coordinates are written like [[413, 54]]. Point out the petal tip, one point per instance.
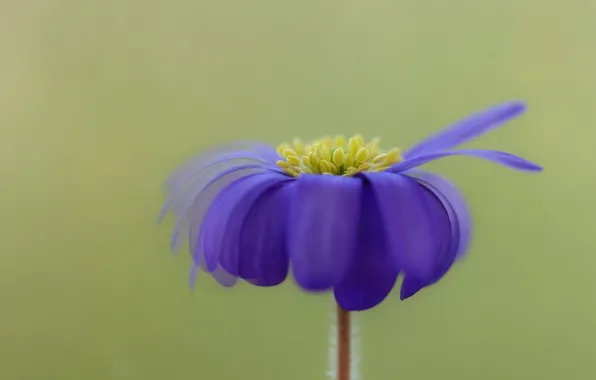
[[404, 296], [192, 278], [409, 287], [161, 215], [529, 166], [311, 284], [519, 106], [511, 108]]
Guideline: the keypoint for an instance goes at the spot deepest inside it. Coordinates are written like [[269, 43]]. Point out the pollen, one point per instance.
[[336, 156]]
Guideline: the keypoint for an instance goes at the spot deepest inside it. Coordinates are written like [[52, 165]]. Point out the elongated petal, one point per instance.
[[322, 230], [219, 274], [194, 273], [191, 219], [373, 274], [263, 258], [467, 129], [420, 230], [247, 149], [195, 199], [453, 200], [502, 158], [223, 277], [219, 235], [206, 167]]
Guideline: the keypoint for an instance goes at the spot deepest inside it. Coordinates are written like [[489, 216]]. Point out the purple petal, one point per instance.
[[467, 129], [453, 200], [322, 230], [502, 158], [194, 215], [248, 149], [460, 221], [263, 258], [206, 167], [192, 278], [219, 274], [196, 198], [410, 286], [220, 229], [223, 277], [443, 262], [420, 230], [373, 274]]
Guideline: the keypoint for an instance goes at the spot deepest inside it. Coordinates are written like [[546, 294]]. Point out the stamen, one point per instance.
[[340, 141], [293, 160], [379, 159], [338, 156], [299, 146], [348, 161], [282, 147], [283, 164], [333, 156], [325, 153], [362, 155]]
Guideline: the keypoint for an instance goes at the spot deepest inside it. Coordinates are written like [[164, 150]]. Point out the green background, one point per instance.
[[99, 101]]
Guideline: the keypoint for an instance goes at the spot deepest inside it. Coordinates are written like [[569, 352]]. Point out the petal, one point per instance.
[[193, 215], [420, 230], [502, 158], [192, 278], [219, 231], [322, 231], [373, 274], [205, 167], [410, 286], [223, 277], [219, 274], [453, 200], [263, 258], [247, 149], [468, 129], [198, 196], [460, 223]]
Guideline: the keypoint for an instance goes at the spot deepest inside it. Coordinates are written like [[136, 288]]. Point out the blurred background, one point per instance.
[[99, 101]]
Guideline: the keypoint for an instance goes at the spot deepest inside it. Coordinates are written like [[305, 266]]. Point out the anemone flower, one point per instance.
[[341, 215]]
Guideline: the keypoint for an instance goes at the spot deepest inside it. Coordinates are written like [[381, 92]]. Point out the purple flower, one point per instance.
[[342, 215]]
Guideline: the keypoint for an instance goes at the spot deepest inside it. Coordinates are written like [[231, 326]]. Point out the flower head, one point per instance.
[[342, 215]]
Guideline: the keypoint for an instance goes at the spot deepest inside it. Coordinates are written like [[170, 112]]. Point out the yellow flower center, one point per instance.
[[336, 157]]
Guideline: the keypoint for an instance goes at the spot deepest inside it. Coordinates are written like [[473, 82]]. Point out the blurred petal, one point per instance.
[[205, 167], [247, 149], [219, 232], [223, 277], [192, 278], [263, 258], [467, 129], [453, 200], [502, 158], [197, 197], [419, 232], [373, 274], [322, 229], [193, 216], [219, 274]]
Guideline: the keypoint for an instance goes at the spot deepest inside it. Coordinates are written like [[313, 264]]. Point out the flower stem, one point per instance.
[[343, 344]]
